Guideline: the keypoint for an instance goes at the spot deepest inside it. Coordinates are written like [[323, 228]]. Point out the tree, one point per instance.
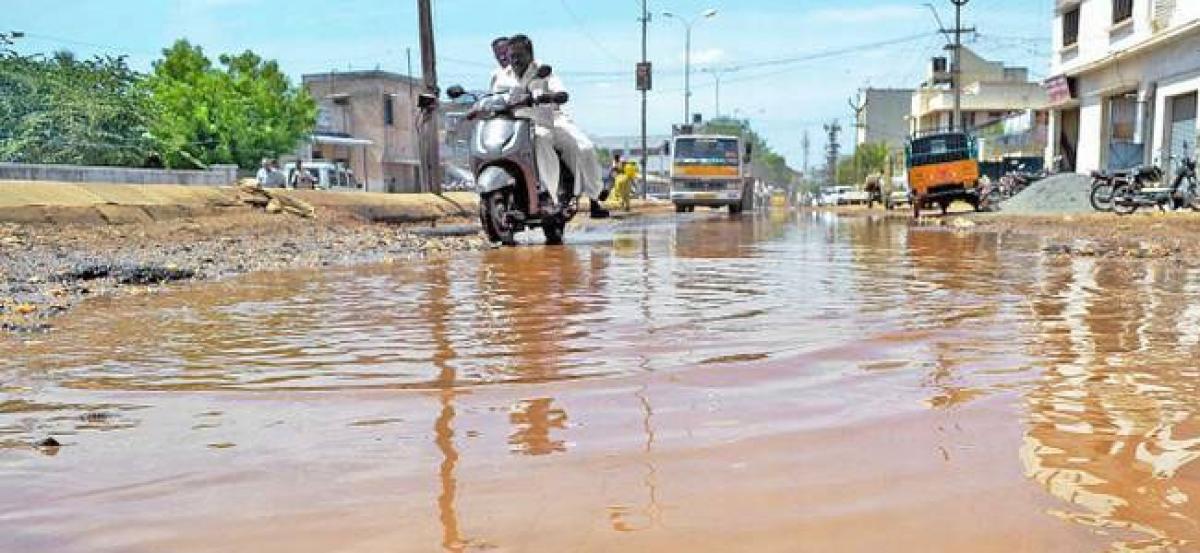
[[238, 113], [868, 159], [63, 110]]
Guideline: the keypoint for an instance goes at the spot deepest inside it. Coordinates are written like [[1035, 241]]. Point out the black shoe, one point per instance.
[[598, 212]]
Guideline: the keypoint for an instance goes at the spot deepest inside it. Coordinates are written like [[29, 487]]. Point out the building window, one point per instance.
[[389, 112], [1071, 27], [1122, 10]]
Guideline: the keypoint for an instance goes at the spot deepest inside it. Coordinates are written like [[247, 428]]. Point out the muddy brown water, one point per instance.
[[808, 383]]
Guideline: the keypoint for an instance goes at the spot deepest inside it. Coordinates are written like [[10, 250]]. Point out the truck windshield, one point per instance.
[[706, 151], [940, 148]]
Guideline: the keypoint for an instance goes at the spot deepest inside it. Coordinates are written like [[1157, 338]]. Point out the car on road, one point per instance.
[[326, 175]]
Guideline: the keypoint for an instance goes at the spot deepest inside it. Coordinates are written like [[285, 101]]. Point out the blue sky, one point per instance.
[[593, 44]]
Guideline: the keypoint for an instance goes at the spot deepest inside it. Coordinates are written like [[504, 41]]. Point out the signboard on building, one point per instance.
[[1059, 89]]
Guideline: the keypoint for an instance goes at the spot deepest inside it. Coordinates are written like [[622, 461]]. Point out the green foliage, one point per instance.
[[63, 110], [868, 159], [770, 165], [237, 113]]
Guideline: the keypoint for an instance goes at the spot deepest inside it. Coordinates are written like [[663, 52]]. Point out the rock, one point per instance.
[[274, 206], [962, 223]]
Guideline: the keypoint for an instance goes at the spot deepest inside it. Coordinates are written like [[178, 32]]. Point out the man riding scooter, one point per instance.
[[555, 129]]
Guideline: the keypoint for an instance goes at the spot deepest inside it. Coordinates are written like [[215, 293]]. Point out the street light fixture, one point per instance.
[[687, 57], [717, 74]]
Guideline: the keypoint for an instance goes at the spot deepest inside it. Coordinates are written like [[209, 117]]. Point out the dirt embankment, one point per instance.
[[61, 243]]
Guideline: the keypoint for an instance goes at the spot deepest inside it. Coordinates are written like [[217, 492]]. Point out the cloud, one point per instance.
[[707, 56], [873, 14]]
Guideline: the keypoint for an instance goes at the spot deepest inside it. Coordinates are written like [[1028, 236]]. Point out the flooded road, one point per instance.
[[807, 383]]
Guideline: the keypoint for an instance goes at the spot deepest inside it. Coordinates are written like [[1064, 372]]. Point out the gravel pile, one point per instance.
[[1067, 193]]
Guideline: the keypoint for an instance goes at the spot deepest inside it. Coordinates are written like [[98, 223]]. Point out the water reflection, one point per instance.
[[1099, 353], [1113, 426]]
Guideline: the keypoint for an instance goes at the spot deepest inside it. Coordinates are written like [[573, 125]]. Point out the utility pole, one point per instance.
[[646, 88], [831, 151], [956, 65], [431, 167], [859, 105], [806, 144]]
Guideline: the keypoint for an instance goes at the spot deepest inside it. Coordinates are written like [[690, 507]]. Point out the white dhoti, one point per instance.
[[547, 159], [580, 155]]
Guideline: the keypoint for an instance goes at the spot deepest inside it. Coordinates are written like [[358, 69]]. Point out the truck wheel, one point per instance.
[[735, 209], [916, 207], [944, 205], [680, 208]]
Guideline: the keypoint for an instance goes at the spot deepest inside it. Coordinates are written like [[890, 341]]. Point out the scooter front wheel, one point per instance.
[[495, 208]]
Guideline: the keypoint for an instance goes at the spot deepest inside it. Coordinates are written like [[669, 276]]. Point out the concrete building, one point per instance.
[[1125, 80], [366, 120], [991, 92], [885, 117]]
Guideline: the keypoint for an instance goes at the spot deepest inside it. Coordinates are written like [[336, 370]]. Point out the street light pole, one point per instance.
[[687, 58], [717, 74]]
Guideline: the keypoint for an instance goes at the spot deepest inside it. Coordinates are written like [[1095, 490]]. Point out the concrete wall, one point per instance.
[[219, 175], [1099, 38], [886, 116]]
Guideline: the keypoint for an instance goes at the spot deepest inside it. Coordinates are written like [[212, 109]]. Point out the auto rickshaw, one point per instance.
[[942, 168]]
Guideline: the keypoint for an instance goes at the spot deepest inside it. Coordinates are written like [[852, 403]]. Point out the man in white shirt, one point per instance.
[[500, 50], [578, 151]]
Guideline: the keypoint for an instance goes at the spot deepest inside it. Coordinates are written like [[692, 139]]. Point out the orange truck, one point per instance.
[[942, 168], [710, 171]]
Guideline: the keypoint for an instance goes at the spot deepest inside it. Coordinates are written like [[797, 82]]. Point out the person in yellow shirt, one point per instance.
[[623, 186]]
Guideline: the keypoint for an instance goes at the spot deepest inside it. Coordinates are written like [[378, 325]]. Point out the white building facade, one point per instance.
[[1126, 77]]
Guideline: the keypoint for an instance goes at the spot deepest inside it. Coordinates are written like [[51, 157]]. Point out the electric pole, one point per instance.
[[806, 144], [431, 169], [956, 65], [831, 152], [645, 87], [859, 105]]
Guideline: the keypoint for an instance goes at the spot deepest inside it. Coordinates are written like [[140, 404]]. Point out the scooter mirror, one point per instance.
[[455, 92], [544, 71]]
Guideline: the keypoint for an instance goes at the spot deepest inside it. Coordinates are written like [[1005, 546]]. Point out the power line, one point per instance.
[[587, 34]]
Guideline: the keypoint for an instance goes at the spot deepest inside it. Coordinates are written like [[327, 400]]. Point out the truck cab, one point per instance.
[[710, 171]]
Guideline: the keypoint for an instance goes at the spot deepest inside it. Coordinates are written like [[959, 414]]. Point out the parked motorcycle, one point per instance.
[[1146, 189], [504, 161]]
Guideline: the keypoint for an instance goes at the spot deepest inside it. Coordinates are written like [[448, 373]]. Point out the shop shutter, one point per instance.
[[1183, 128]]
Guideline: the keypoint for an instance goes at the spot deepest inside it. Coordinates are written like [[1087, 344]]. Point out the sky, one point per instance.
[[789, 66]]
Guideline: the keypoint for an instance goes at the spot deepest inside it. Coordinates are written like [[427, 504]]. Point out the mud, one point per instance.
[[45, 270]]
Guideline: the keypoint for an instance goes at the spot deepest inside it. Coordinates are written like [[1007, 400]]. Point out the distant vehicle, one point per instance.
[[710, 170], [327, 175], [942, 168], [898, 196], [848, 195]]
